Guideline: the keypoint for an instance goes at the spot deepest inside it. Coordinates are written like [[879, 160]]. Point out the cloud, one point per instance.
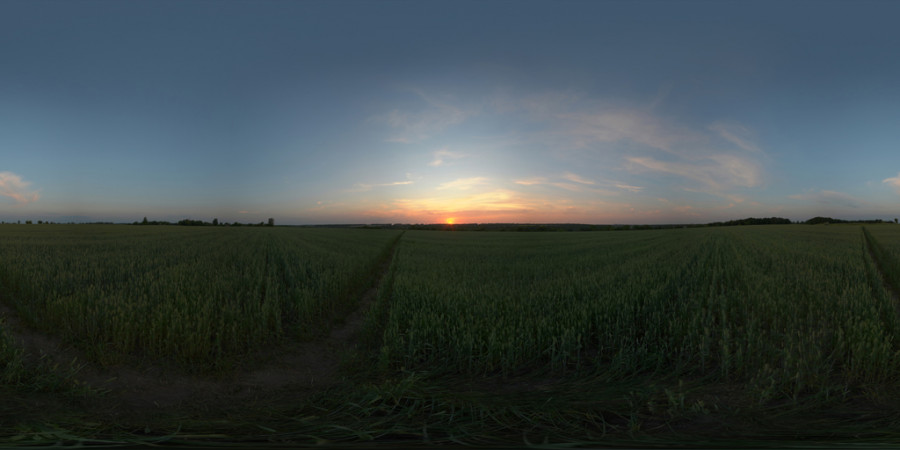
[[627, 187], [736, 134], [441, 156], [567, 186], [577, 183], [570, 119], [714, 158], [577, 179], [497, 205], [567, 120], [418, 126], [488, 205], [894, 181], [716, 173], [463, 183], [531, 181], [574, 119], [586, 128], [362, 187], [831, 198], [12, 186]]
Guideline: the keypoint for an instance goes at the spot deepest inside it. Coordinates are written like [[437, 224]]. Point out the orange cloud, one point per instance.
[[12, 186], [499, 205]]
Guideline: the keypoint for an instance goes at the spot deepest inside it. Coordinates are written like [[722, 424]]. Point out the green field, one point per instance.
[[197, 296], [753, 333], [735, 302]]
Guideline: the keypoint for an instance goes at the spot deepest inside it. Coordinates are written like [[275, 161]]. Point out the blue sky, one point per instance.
[[496, 111]]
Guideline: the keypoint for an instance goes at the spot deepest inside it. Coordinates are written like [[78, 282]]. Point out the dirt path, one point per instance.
[[884, 279], [295, 367]]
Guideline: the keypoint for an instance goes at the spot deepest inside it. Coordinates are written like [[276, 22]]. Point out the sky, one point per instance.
[[315, 112]]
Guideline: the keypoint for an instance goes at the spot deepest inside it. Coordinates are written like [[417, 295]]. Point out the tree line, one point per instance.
[[200, 223]]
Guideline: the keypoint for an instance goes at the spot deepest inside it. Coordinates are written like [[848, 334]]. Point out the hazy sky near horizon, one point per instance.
[[496, 111]]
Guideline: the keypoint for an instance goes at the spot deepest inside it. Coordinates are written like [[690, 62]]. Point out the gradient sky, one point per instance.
[[497, 111]]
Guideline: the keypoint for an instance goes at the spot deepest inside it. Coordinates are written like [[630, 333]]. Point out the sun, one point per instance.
[[450, 221]]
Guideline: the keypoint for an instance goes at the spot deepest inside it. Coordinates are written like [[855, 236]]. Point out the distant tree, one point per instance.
[[895, 220], [216, 222], [27, 222], [752, 221], [192, 223], [820, 220], [271, 222], [145, 221]]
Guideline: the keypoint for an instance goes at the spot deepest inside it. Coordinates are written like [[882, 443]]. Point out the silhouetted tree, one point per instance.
[[752, 221], [819, 220], [216, 222]]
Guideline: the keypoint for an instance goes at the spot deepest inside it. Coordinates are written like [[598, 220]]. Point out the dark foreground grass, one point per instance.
[[420, 409], [370, 407]]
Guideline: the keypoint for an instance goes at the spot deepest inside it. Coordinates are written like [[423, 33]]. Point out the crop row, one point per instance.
[[785, 308], [196, 296]]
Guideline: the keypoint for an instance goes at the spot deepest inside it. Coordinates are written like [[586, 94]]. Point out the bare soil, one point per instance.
[[286, 373]]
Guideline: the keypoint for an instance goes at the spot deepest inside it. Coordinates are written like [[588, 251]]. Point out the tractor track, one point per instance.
[[871, 243]]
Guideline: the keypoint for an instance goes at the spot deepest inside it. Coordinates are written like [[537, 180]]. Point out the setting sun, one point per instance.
[[450, 221]]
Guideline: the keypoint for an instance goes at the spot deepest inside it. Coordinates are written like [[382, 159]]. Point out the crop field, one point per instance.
[[789, 309], [483, 337], [195, 296]]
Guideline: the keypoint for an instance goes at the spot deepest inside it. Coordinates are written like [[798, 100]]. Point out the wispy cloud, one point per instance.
[[894, 181], [576, 183], [577, 179], [717, 157], [831, 198], [570, 118], [14, 187], [362, 187], [628, 187], [588, 127], [417, 126], [715, 173], [532, 181], [736, 134], [443, 155], [464, 183]]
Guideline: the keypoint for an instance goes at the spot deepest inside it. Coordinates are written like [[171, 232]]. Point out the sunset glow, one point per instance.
[[587, 112]]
